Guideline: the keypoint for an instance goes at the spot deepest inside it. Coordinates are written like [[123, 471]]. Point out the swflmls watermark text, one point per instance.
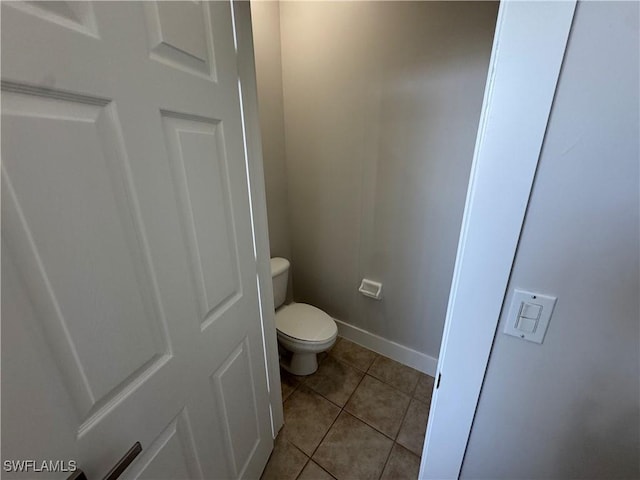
[[38, 466]]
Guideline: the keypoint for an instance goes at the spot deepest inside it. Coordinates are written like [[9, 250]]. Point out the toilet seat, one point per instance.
[[305, 323]]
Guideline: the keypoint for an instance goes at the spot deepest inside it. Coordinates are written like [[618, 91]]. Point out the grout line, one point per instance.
[[297, 448], [404, 417], [415, 387], [367, 422], [325, 397], [305, 464], [342, 409], [334, 422], [382, 381], [389, 385], [386, 461], [325, 434], [323, 469], [428, 404], [378, 355], [374, 361], [354, 390]]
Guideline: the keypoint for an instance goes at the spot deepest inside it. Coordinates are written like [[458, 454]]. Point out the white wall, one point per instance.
[[381, 107], [266, 38], [570, 408]]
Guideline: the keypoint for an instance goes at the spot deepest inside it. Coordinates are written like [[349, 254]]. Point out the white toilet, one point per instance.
[[303, 330]]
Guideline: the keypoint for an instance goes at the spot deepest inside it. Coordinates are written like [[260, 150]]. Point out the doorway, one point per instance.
[[369, 114]]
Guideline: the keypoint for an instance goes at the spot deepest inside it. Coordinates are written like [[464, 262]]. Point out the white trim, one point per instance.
[[258, 199], [393, 350], [528, 50]]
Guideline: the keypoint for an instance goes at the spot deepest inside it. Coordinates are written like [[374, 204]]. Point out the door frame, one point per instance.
[[528, 49], [243, 35]]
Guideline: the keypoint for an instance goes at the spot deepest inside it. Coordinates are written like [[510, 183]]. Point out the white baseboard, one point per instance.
[[393, 350]]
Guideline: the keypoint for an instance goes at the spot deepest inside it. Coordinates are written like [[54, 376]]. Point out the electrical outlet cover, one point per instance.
[[529, 315]]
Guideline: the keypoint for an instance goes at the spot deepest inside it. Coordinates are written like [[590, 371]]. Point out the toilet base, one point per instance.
[[300, 364], [301, 358]]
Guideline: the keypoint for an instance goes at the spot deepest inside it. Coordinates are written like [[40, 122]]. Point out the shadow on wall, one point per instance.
[[382, 101], [595, 443]]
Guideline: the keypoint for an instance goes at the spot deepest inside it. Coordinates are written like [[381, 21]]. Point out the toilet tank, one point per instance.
[[280, 277]]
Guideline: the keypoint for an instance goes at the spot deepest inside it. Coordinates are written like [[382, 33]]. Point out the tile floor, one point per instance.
[[360, 416]]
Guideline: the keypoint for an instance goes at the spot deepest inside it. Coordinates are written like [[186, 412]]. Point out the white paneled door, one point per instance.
[[130, 310]]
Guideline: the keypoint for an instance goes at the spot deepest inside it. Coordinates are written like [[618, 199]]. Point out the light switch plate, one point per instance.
[[522, 305]]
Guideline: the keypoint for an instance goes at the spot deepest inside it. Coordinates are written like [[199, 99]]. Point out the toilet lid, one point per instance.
[[305, 322]]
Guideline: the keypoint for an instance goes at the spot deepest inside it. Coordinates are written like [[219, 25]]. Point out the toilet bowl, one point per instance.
[[303, 330]]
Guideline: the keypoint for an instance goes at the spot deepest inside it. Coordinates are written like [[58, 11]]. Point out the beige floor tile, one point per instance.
[[414, 427], [352, 450], [285, 462], [314, 472], [381, 406], [288, 383], [334, 380], [402, 465], [353, 354], [307, 418], [424, 389], [395, 374], [321, 356]]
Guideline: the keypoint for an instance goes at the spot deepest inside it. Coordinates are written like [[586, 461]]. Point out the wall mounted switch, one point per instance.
[[529, 315]]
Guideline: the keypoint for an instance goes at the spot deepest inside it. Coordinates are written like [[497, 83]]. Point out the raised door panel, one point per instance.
[[29, 380], [235, 396], [77, 16], [200, 174], [172, 455], [180, 35], [70, 219]]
